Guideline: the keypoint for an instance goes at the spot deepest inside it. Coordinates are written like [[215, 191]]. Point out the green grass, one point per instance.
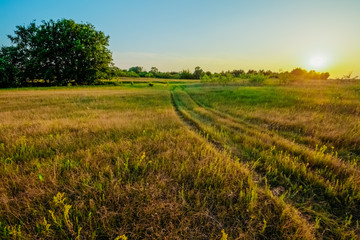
[[180, 161], [246, 97], [282, 133]]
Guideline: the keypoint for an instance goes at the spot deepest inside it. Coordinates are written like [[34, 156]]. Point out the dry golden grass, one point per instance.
[[107, 162]]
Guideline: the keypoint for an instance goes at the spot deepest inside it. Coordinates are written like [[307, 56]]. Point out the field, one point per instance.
[[183, 160]]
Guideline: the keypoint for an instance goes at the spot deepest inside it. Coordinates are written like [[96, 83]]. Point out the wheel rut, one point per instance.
[[336, 165], [195, 116]]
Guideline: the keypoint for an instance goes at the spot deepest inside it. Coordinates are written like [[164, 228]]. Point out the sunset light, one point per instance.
[[216, 36], [318, 62], [180, 119]]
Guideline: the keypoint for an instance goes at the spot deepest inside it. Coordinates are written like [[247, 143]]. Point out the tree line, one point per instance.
[[198, 73], [63, 52], [140, 72]]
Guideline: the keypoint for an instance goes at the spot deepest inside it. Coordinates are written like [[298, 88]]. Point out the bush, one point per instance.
[[218, 78], [286, 78], [257, 79], [132, 74], [149, 75]]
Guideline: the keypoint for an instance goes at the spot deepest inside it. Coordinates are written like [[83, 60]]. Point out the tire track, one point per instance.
[[257, 179], [235, 126], [194, 126], [340, 168]]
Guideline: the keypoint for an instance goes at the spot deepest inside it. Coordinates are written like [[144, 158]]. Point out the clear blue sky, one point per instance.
[[216, 35]]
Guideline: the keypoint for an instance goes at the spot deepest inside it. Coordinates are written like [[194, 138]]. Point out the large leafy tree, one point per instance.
[[57, 52], [8, 70]]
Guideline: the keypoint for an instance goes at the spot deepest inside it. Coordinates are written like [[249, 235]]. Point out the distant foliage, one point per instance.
[[56, 53], [8, 69], [198, 73], [218, 78], [136, 69], [257, 79], [348, 77], [149, 75], [185, 74], [312, 74], [286, 78]]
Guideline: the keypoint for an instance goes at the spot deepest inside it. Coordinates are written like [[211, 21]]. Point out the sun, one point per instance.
[[317, 62]]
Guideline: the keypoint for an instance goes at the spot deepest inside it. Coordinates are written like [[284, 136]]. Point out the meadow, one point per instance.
[[181, 160]]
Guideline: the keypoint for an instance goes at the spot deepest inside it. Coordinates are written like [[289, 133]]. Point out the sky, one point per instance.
[[173, 35]]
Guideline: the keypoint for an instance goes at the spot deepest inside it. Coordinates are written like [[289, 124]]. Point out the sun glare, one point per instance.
[[317, 62]]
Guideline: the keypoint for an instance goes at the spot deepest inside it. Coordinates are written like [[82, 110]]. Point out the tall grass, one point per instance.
[[317, 180], [118, 163]]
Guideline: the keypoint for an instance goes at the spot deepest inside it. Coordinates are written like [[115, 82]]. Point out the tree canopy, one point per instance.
[[56, 52]]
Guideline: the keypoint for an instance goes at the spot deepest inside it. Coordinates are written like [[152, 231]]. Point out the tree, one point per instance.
[[198, 73], [237, 73], [8, 71], [324, 75], [59, 52], [208, 73], [149, 75], [251, 71], [257, 79], [154, 70], [136, 69], [299, 72], [312, 74], [205, 78], [185, 74]]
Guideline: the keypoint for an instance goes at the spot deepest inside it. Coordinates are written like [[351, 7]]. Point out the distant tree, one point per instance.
[[198, 73], [237, 73], [208, 73], [205, 78], [132, 74], [154, 70], [149, 75], [257, 79], [299, 72], [229, 77], [58, 52], [143, 74], [174, 75], [268, 73], [185, 74], [116, 72], [312, 74], [285, 78], [120, 73], [326, 75], [136, 69], [252, 71], [261, 71]]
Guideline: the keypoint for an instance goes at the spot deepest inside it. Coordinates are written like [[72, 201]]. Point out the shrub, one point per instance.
[[257, 79]]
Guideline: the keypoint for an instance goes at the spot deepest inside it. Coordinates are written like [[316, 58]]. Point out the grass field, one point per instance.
[[181, 161]]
